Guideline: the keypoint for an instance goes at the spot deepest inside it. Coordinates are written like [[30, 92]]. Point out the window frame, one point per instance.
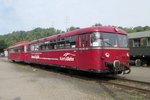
[[137, 43], [100, 39]]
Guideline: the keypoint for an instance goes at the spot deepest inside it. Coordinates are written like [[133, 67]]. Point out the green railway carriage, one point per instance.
[[139, 44]]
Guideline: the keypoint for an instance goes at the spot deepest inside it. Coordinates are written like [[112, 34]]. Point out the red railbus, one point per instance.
[[96, 49], [18, 52]]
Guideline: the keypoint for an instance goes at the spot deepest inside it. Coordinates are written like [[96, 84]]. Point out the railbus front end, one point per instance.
[[113, 52]]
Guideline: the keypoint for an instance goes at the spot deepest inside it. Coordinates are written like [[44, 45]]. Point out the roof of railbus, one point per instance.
[[82, 31], [21, 43]]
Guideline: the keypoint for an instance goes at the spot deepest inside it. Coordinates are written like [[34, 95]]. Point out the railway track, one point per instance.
[[110, 80], [129, 84]]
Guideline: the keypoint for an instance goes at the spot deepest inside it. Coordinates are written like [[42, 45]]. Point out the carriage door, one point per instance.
[[26, 54], [83, 50]]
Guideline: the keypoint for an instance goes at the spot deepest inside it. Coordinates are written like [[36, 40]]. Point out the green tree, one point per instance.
[[2, 45], [72, 28], [139, 29], [146, 28], [98, 24]]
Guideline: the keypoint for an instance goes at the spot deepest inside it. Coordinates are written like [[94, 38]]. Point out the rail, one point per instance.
[[130, 84]]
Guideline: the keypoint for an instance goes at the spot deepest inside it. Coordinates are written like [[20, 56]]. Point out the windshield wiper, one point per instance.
[[108, 43]]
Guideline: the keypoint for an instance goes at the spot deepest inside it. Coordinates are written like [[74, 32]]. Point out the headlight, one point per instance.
[[107, 55], [127, 54]]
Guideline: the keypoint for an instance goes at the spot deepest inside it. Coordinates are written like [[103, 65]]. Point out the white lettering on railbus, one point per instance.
[[44, 58], [35, 57], [67, 57], [49, 58]]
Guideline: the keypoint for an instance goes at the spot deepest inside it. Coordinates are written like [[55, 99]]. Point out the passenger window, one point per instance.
[[36, 47], [136, 43], [71, 42], [86, 40], [61, 43], [14, 50], [28, 48], [95, 39], [21, 49], [48, 45], [144, 42], [32, 47], [53, 44], [83, 40]]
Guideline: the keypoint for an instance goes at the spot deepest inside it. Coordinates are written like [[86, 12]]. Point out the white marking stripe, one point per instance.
[[103, 48], [36, 53], [117, 48], [47, 58]]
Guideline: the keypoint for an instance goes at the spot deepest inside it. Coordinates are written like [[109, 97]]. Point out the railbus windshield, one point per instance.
[[108, 40], [123, 42]]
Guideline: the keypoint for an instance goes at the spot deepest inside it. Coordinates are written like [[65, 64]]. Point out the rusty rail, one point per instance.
[[114, 82]]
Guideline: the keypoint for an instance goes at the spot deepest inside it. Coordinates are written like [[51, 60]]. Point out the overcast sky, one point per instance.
[[29, 14]]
